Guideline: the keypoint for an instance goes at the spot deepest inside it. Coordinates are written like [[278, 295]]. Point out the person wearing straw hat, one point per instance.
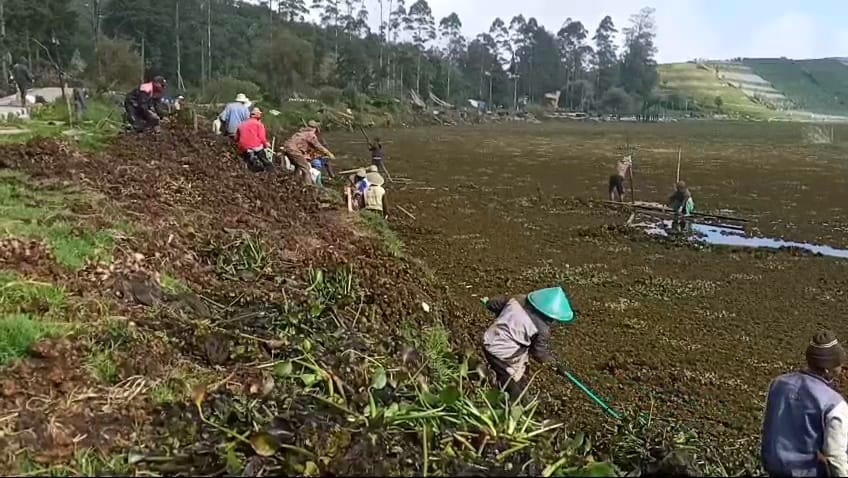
[[522, 330], [355, 189], [300, 146], [805, 426], [234, 115], [374, 197]]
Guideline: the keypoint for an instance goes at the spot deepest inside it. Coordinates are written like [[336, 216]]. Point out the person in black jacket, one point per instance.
[[143, 105]]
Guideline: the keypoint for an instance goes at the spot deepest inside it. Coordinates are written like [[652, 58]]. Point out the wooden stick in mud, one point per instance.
[[632, 187], [348, 171], [651, 208], [406, 212], [678, 164]]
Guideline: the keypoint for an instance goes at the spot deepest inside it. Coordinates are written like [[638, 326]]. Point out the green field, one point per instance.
[[690, 80], [809, 86], [818, 86]]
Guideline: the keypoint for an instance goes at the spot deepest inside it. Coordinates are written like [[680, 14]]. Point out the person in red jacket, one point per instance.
[[253, 142]]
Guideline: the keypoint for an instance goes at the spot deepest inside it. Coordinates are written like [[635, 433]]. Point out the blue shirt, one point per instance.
[[233, 116]]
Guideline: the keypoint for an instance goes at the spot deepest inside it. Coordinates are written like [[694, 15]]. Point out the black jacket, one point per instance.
[[539, 348]]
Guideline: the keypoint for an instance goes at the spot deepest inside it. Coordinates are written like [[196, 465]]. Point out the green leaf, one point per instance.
[[598, 468], [306, 346], [378, 381], [264, 444], [310, 469], [495, 398], [392, 410], [310, 379], [430, 399], [284, 369], [449, 395]]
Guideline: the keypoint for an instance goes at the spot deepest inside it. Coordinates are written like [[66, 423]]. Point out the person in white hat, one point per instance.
[[234, 115], [375, 195]]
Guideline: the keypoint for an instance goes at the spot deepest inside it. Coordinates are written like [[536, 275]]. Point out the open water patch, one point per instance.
[[731, 237]]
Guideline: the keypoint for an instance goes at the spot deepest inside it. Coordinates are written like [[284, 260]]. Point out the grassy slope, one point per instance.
[[819, 86], [687, 79]]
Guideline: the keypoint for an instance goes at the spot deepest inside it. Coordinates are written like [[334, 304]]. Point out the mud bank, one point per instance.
[[224, 322]]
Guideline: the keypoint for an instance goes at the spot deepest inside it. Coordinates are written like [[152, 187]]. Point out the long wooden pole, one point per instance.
[[632, 187], [667, 210], [678, 164]]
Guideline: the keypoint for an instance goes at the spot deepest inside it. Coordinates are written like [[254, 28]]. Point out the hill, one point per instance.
[[762, 87]]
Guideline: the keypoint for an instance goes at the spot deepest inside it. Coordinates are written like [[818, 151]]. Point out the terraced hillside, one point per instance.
[[703, 85], [762, 87], [819, 86]]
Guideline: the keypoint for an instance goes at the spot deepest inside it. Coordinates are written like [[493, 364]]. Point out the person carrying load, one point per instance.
[[522, 330], [299, 148]]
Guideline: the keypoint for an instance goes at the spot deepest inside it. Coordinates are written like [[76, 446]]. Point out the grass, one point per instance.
[[172, 285], [819, 86], [101, 123], [26, 310], [702, 85], [18, 332], [31, 212], [386, 234], [438, 352], [101, 363], [86, 462]]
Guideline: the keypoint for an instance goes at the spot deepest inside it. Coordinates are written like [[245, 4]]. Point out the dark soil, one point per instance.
[[247, 247]]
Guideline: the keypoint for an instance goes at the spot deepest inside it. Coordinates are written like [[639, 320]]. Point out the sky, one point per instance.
[[686, 29]]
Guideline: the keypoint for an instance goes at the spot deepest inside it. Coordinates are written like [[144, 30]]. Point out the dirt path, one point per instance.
[[693, 334]]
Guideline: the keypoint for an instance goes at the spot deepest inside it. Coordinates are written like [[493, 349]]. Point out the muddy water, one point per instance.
[[697, 332]]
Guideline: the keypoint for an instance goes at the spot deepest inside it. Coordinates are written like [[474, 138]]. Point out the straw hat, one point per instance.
[[373, 169], [313, 124], [375, 178], [241, 98], [360, 173]]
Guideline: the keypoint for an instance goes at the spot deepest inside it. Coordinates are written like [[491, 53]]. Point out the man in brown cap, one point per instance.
[[805, 428]]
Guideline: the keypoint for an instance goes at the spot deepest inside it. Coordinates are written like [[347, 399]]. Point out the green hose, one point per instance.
[[589, 393]]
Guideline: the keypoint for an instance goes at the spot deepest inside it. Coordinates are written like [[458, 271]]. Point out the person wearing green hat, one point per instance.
[[522, 330]]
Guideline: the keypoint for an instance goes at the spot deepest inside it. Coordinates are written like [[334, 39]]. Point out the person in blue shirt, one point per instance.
[[234, 115], [805, 425]]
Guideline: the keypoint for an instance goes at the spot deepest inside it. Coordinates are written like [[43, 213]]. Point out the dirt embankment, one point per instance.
[[246, 319]]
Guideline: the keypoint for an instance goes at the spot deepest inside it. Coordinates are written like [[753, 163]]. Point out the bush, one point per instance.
[[329, 95], [117, 66], [225, 89]]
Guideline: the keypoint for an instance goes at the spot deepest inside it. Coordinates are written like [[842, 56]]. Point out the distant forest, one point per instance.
[[270, 49]]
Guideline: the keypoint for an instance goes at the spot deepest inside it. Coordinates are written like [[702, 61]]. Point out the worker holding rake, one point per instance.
[[520, 331]]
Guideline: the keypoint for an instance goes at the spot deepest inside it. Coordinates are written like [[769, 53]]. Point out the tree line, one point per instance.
[[198, 44]]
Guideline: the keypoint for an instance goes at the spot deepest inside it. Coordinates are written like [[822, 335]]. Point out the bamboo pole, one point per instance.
[[678, 164]]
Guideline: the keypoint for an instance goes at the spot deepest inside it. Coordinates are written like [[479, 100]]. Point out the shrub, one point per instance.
[[225, 89], [329, 95]]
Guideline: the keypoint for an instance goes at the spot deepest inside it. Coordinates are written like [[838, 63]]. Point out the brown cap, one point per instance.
[[824, 351]]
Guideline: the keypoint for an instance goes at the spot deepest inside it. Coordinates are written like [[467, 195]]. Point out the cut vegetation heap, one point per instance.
[[243, 325]]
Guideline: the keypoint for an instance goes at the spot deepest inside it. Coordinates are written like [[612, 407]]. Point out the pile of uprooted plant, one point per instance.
[[190, 317]]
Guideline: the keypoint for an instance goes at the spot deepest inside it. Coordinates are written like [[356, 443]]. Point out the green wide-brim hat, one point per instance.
[[552, 303]]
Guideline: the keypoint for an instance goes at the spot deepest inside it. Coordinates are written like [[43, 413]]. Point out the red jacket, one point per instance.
[[251, 135]]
